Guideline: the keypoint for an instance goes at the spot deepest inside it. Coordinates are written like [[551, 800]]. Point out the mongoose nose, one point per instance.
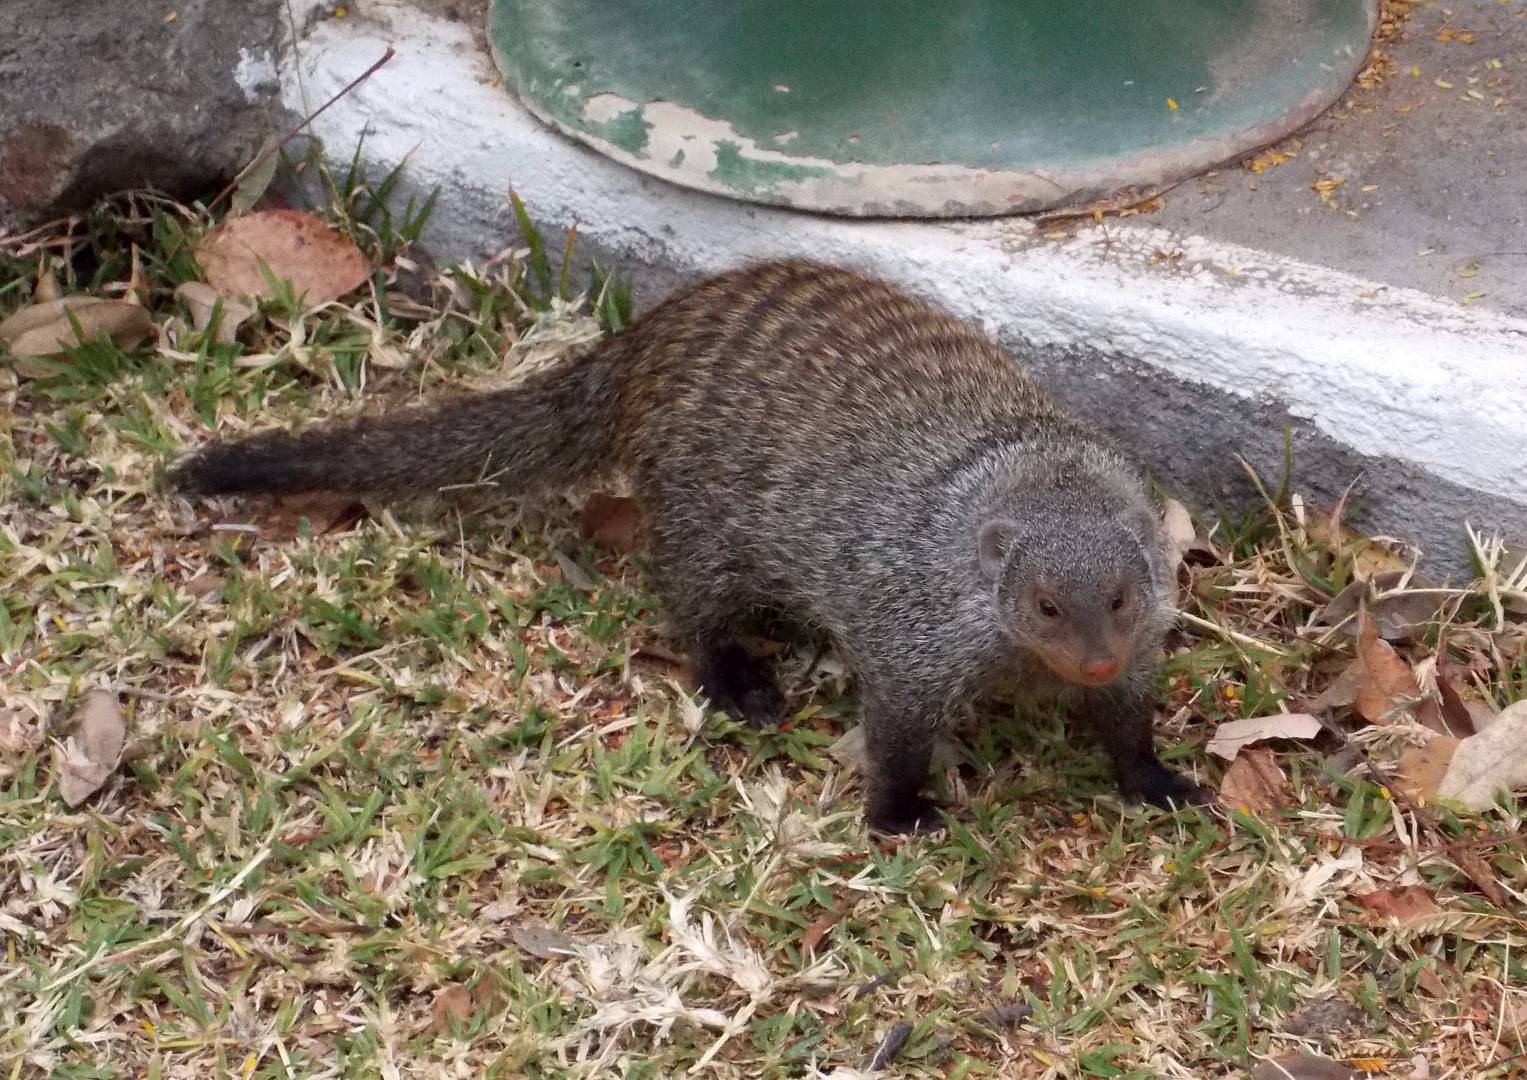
[[1101, 669]]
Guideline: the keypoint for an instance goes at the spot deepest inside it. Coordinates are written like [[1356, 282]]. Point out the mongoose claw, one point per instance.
[[909, 815]]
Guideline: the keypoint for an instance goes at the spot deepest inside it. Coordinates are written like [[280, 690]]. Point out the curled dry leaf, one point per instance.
[[1460, 718], [324, 513], [201, 301], [1398, 615], [452, 1007], [1403, 904], [1342, 690], [1492, 761], [47, 287], [255, 177], [1186, 544], [1231, 737], [46, 330], [821, 925], [321, 263], [543, 942], [1388, 687], [1255, 782], [1178, 524], [613, 522], [92, 753]]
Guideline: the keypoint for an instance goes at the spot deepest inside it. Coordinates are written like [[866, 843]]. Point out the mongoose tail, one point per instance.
[[551, 428]]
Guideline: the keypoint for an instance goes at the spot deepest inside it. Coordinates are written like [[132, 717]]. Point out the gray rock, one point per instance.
[[101, 97]]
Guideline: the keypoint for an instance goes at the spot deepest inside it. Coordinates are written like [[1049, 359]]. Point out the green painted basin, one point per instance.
[[912, 108]]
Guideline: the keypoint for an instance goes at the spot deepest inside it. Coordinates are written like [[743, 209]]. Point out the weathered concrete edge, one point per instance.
[[1424, 398]]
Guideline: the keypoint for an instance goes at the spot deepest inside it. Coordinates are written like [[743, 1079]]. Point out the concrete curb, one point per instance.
[[1191, 351]]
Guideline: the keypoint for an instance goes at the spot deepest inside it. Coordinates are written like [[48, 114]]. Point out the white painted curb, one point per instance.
[[1391, 373]]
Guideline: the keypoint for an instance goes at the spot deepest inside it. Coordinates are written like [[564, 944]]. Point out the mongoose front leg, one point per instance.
[[899, 747], [738, 684], [1121, 716]]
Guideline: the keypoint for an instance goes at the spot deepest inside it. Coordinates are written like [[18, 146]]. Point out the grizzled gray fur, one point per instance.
[[814, 443]]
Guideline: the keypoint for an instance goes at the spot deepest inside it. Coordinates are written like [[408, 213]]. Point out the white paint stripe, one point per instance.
[[1389, 372]]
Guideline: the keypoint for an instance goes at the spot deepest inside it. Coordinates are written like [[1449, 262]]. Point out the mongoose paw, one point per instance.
[[741, 686], [907, 815], [1162, 787]]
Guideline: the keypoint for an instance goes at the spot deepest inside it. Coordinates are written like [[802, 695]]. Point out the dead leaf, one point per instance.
[[1398, 615], [201, 301], [849, 750], [1458, 718], [1255, 783], [1324, 1016], [1388, 687], [1403, 904], [91, 754], [20, 735], [543, 942], [1342, 690], [451, 1007], [204, 584], [1431, 983], [574, 574], [1304, 1067], [1234, 735], [46, 330], [137, 289], [1186, 545], [256, 177], [1421, 768], [324, 512], [321, 263], [1486, 763], [614, 522], [47, 287], [813, 935], [487, 997]]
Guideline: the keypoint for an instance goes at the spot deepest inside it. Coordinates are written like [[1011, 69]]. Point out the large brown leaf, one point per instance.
[[1388, 687], [92, 753], [1494, 760], [321, 263], [1255, 783]]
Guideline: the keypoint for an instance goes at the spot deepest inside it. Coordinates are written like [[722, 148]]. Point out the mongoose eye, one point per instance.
[[1048, 609], [1118, 600]]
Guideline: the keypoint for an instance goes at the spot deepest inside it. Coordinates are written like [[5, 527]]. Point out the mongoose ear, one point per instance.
[[992, 546]]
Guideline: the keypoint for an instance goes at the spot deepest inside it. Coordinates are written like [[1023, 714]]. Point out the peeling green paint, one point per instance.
[[902, 109], [628, 131], [752, 175]]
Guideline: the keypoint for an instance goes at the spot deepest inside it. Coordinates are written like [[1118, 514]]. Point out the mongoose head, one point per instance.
[[1075, 589]]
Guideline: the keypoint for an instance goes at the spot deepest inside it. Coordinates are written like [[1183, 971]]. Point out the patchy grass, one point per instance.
[[421, 793]]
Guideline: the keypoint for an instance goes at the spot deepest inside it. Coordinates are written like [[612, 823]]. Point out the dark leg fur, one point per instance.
[[740, 685], [899, 745], [1121, 719]]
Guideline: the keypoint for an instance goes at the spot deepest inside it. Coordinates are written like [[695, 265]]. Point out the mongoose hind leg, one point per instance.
[[738, 684], [706, 598], [1121, 718]]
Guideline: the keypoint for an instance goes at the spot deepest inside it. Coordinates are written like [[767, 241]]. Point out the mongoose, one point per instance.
[[812, 442]]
